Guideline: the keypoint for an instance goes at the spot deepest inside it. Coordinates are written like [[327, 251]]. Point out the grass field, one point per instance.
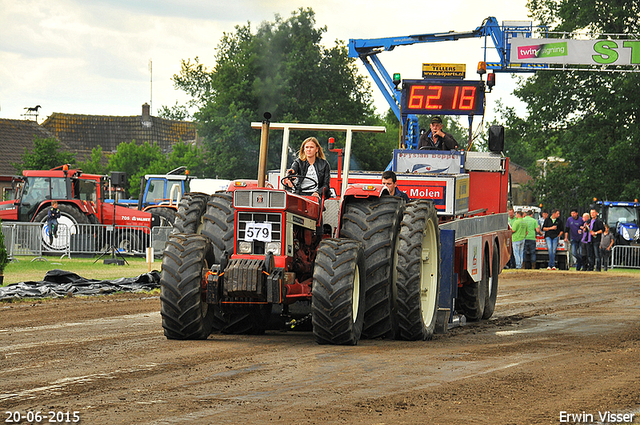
[[25, 269]]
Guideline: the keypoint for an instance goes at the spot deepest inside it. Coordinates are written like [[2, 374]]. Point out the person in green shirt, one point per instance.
[[512, 261], [533, 228], [519, 229]]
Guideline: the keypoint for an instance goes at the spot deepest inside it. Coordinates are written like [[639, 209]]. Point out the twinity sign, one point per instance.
[[575, 52]]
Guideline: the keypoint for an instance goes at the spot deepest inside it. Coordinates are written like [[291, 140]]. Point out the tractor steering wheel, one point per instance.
[[296, 181]]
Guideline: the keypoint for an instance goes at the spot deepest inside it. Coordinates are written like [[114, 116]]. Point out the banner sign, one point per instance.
[[425, 161], [444, 70], [575, 52]]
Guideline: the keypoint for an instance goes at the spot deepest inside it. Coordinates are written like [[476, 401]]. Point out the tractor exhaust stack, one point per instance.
[[264, 149]]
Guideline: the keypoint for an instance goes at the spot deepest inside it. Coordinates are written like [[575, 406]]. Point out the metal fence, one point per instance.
[[34, 239], [22, 239], [625, 256]]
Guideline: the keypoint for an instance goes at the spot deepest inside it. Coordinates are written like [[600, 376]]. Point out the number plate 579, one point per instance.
[[258, 232]]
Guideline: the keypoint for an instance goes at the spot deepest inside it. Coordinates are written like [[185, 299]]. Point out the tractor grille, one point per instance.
[[258, 247], [259, 199]]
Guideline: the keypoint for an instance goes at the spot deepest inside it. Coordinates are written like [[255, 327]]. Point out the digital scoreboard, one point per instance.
[[443, 97]]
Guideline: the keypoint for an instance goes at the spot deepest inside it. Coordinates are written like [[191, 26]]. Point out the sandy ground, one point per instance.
[[559, 344]]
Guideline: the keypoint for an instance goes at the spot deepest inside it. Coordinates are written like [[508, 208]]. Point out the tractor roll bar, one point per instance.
[[349, 129]]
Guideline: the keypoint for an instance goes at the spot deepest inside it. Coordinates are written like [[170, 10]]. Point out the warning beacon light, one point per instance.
[[482, 68], [396, 79]]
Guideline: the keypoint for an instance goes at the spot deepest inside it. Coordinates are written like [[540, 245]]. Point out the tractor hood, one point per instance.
[[628, 231]]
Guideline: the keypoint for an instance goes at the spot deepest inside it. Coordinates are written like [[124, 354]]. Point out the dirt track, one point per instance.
[[558, 342]]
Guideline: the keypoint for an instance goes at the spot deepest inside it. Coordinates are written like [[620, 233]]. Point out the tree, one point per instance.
[[188, 155], [588, 118], [94, 164], [136, 161], [176, 112], [46, 154], [281, 68], [520, 150]]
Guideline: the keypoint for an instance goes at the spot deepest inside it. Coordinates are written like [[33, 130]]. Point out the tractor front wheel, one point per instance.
[[185, 313], [337, 302]]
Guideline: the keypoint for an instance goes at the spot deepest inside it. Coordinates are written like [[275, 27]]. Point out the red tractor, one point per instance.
[[365, 264], [80, 200]]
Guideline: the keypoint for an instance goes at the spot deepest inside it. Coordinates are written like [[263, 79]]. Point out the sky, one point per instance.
[[93, 56]]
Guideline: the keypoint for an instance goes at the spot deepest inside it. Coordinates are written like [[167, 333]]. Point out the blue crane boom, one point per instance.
[[361, 47]]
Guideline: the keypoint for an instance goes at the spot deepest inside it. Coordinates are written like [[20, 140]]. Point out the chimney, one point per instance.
[[145, 120], [146, 112]]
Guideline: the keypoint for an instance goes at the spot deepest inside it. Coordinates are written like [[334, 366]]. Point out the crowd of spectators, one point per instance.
[[590, 240]]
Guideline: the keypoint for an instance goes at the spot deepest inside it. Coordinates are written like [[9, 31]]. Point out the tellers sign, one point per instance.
[[443, 97]]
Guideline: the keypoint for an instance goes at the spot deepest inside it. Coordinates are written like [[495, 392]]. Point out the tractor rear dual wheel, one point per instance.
[[418, 281], [190, 211], [338, 300], [375, 223], [218, 223], [185, 313]]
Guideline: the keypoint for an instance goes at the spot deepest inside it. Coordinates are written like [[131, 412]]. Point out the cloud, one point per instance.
[[92, 57], [197, 10]]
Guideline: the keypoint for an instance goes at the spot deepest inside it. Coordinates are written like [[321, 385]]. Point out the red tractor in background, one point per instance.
[[80, 199], [362, 265]]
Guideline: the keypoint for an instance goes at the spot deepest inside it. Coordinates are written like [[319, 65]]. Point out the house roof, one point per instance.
[[84, 132], [15, 136], [519, 174]]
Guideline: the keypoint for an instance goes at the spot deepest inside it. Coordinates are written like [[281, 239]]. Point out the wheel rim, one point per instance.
[[66, 228], [355, 301], [125, 245], [428, 273], [164, 222]]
